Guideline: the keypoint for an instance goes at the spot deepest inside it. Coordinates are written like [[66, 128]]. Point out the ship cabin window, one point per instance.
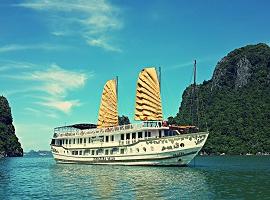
[[169, 133], [133, 135], [145, 134], [111, 151], [93, 152], [107, 138], [139, 134], [144, 148], [63, 142], [159, 133], [74, 141], [80, 152], [122, 136], [106, 151], [80, 140], [69, 141], [89, 140], [53, 141], [84, 140], [112, 137], [137, 149], [128, 136], [74, 152], [182, 145], [122, 151], [149, 134]]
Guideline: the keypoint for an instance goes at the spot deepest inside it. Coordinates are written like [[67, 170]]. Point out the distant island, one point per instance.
[[9, 144], [234, 104], [38, 153]]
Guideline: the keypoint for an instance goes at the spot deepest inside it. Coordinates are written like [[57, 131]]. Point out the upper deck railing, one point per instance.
[[71, 131]]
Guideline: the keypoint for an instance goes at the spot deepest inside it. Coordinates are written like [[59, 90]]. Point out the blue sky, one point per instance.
[[55, 55]]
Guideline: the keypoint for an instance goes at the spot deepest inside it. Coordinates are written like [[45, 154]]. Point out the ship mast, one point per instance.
[[193, 110], [116, 79], [195, 73], [159, 78]]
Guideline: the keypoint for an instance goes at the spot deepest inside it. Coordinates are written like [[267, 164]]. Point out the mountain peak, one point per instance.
[[241, 66]]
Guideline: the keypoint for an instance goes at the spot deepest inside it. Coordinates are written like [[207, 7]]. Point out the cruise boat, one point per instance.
[[151, 141]]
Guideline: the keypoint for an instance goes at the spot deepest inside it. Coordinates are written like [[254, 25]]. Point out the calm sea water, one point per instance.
[[224, 177]]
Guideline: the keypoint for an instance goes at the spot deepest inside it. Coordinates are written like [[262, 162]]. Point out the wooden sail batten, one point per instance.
[[108, 114], [148, 100], [144, 94], [151, 83]]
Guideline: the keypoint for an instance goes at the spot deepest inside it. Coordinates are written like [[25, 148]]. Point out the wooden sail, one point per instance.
[[108, 114], [148, 100]]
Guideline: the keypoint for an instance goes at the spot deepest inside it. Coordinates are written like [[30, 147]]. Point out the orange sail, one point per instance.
[[148, 100], [108, 114]]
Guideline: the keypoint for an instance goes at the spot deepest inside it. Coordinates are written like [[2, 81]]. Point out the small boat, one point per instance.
[[151, 141]]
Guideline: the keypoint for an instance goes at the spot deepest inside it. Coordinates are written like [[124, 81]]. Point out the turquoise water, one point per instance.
[[224, 177]]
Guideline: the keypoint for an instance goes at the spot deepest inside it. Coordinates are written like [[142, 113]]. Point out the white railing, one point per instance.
[[71, 131]]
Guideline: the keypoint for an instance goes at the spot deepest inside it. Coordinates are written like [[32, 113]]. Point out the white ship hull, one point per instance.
[[177, 150], [169, 159]]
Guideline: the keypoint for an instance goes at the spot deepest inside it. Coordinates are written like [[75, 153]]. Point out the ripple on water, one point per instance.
[[211, 178]]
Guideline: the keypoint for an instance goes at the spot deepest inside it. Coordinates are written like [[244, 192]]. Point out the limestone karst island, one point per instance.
[[9, 144]]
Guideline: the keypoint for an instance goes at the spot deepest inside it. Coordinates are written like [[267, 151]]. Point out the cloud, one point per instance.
[[39, 113], [62, 105], [53, 85], [56, 80], [92, 20], [19, 47], [181, 65], [191, 63], [103, 43], [7, 65]]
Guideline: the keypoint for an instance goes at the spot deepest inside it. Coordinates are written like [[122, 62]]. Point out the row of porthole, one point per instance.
[[138, 150], [152, 148]]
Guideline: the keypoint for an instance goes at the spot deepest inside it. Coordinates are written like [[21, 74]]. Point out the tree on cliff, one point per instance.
[[9, 144]]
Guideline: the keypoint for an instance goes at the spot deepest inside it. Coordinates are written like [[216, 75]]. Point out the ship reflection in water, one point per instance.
[[120, 182], [223, 177]]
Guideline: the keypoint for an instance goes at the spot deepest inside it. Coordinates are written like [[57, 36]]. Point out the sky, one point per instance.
[[56, 55]]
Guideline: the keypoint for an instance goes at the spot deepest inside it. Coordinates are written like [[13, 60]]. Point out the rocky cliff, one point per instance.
[[9, 144], [234, 104]]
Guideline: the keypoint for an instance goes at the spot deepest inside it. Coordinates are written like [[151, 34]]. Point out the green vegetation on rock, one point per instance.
[[235, 103], [123, 120], [9, 144]]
